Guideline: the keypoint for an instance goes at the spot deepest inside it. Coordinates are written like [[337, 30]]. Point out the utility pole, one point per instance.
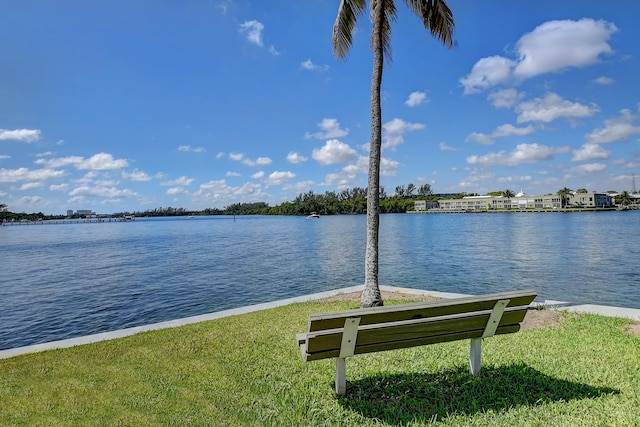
[[633, 183]]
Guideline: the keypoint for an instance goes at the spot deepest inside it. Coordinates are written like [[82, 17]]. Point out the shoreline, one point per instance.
[[389, 292]]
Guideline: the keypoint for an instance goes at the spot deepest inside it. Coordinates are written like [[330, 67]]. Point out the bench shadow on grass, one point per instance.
[[403, 398]]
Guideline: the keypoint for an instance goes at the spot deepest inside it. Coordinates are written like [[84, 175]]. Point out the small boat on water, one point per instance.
[[313, 215]]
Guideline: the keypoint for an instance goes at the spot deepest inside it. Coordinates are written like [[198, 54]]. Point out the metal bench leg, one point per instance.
[[475, 356], [341, 376], [347, 347]]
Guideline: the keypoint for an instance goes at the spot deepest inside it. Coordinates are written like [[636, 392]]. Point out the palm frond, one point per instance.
[[345, 24], [436, 17]]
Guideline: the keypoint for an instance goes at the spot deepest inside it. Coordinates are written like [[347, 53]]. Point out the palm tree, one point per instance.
[[400, 191], [564, 195], [438, 19], [508, 194], [425, 190], [624, 198], [411, 188]]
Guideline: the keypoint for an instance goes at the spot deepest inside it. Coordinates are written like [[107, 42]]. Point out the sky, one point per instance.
[[129, 105]]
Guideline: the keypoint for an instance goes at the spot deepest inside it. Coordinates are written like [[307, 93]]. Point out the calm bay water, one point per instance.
[[68, 280]]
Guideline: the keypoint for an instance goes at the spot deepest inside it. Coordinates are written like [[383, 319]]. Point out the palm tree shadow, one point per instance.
[[404, 398]]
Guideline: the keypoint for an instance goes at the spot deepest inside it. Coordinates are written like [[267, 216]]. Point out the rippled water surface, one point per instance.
[[67, 280]]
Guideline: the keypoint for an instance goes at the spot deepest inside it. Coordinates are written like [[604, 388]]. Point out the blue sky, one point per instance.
[[131, 105]]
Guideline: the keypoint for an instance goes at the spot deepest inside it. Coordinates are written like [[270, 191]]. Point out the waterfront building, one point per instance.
[[423, 205], [590, 200], [521, 201]]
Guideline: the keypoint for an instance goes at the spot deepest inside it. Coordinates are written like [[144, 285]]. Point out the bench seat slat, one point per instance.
[[389, 333], [411, 343], [323, 321]]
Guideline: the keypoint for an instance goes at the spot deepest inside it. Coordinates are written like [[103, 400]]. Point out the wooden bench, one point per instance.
[[345, 333]]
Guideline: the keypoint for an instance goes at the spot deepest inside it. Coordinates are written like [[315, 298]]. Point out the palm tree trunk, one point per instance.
[[371, 294]]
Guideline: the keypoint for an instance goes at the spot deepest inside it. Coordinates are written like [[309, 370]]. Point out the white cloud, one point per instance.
[[557, 45], [505, 98], [279, 178], [258, 175], [239, 157], [605, 81], [552, 107], [223, 6], [590, 168], [24, 174], [100, 161], [487, 72], [480, 138], [4, 156], [232, 174], [22, 135], [416, 98], [476, 179], [295, 158], [101, 191], [218, 191], [590, 152], [31, 202], [136, 175], [192, 149], [341, 180], [446, 147], [522, 154], [273, 51], [220, 155], [263, 161], [551, 47], [514, 179], [388, 167], [252, 30], [174, 191], [329, 128], [334, 152], [60, 161], [299, 187], [507, 130], [59, 187], [182, 181], [394, 130], [502, 131], [615, 129], [31, 185], [310, 66]]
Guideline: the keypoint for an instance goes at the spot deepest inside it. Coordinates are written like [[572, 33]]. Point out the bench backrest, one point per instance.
[[408, 325]]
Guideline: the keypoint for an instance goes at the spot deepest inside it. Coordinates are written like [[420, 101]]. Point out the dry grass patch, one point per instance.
[[634, 328]]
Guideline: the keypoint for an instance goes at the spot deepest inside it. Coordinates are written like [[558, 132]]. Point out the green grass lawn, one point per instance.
[[247, 371]]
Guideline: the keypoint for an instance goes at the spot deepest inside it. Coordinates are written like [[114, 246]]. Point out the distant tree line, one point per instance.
[[345, 202]]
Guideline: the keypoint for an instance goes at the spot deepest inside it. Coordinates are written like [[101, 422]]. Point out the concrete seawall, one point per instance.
[[628, 313]]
